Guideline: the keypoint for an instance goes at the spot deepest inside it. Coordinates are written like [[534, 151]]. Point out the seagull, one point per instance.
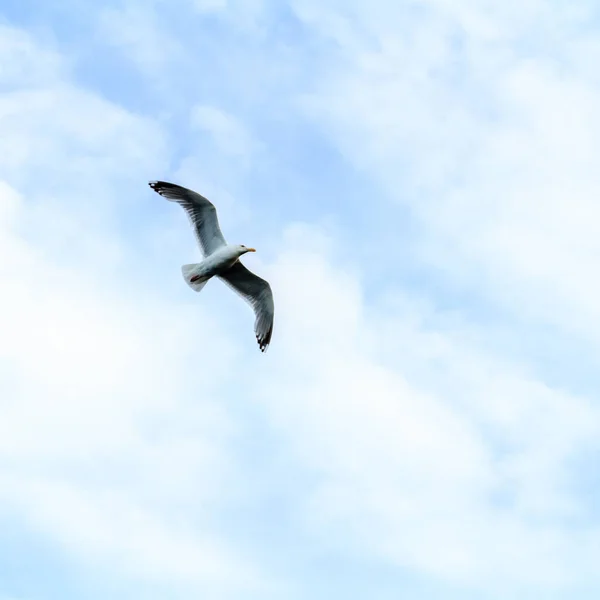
[[221, 259]]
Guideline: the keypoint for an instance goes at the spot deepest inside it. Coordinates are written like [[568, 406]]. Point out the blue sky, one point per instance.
[[420, 180]]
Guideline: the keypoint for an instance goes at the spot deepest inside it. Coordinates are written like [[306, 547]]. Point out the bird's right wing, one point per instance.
[[257, 292], [200, 211]]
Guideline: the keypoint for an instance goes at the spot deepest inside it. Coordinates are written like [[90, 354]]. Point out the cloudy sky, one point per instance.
[[421, 180]]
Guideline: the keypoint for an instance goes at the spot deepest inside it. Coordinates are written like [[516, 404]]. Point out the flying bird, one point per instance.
[[221, 259]]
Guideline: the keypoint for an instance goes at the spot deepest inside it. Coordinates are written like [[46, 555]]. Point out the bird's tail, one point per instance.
[[193, 280]]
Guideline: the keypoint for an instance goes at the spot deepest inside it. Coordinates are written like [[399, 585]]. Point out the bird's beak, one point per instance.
[[251, 250]]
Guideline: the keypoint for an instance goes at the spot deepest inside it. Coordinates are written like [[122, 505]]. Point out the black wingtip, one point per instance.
[[165, 189], [157, 186], [263, 343]]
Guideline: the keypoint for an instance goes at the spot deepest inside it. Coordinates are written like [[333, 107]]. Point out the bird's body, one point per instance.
[[221, 259], [216, 263]]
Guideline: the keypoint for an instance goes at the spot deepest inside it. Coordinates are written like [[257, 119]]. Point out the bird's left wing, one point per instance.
[[201, 212], [257, 292]]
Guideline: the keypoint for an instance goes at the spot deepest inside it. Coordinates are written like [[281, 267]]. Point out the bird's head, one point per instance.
[[243, 249]]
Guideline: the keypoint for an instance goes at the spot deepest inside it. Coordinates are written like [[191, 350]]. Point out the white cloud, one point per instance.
[[209, 6], [137, 29], [242, 14], [412, 440], [229, 133], [429, 452], [22, 64], [108, 527], [495, 138]]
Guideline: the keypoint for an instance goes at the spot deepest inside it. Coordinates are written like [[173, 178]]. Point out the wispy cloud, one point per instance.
[[228, 133], [420, 180], [136, 29]]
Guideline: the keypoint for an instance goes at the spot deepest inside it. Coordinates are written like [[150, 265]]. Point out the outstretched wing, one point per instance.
[[200, 211], [257, 292]]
